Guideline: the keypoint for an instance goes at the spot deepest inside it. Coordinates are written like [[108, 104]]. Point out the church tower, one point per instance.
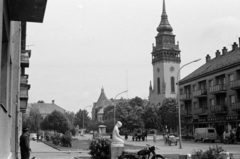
[[166, 62]]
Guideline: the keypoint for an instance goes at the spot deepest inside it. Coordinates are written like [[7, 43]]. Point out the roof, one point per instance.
[[223, 61], [47, 108], [101, 100]]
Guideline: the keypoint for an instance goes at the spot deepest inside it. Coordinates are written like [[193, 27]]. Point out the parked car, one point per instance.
[[33, 136], [205, 134]]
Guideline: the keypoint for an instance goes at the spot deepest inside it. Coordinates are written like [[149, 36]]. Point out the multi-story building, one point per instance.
[[166, 62], [13, 60], [210, 96]]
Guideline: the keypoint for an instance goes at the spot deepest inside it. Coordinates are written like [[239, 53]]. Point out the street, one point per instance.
[[42, 151]]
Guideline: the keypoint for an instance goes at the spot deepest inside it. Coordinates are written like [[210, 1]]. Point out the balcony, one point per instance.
[[24, 79], [221, 88], [200, 93], [24, 91], [23, 106], [27, 10], [25, 55], [201, 111], [235, 84], [186, 113], [219, 109], [185, 97], [235, 106]]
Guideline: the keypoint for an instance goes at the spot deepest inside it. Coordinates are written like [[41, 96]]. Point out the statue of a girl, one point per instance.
[[116, 138]]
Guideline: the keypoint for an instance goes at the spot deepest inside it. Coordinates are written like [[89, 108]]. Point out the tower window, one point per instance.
[[172, 85], [158, 85]]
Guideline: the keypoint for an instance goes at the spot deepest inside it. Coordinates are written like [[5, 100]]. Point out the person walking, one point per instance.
[[24, 144]]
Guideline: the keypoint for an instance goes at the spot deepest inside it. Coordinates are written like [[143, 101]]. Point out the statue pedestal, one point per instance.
[[116, 150]]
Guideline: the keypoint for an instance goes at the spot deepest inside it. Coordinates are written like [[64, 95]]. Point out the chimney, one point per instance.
[[208, 58], [234, 46], [224, 50], [218, 53], [52, 101]]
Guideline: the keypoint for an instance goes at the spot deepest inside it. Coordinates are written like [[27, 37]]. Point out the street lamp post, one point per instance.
[[114, 106], [83, 114], [178, 100]]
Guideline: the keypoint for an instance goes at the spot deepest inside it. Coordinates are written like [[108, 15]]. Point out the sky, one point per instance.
[[84, 45]]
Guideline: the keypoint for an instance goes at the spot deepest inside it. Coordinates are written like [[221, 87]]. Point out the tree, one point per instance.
[[78, 119], [151, 118], [168, 113], [70, 116], [57, 122], [108, 112], [129, 116], [32, 121], [136, 102]]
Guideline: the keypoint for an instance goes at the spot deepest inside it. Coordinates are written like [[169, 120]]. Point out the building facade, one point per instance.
[[14, 58], [210, 96], [166, 62]]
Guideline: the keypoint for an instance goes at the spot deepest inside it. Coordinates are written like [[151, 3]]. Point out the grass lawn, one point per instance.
[[78, 145]]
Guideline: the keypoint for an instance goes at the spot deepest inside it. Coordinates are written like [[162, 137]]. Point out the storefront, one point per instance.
[[220, 123]]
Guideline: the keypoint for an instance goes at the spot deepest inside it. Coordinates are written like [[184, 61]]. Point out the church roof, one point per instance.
[[226, 60], [102, 100]]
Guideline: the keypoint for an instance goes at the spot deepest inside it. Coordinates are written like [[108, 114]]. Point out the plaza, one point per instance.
[[42, 151]]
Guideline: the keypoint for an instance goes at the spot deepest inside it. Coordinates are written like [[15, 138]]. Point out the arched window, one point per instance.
[[172, 85], [158, 85]]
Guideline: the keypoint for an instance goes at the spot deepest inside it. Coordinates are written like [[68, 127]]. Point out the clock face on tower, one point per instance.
[[172, 69]]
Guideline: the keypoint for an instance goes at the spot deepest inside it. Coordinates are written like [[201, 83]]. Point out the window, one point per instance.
[[232, 99], [172, 85], [158, 85], [231, 78]]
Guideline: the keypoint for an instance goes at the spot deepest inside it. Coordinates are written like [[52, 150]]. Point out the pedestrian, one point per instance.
[[24, 144], [155, 136]]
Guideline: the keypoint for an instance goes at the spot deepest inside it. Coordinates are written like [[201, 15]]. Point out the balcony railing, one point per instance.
[[185, 97], [24, 91], [186, 112], [24, 79], [221, 88], [235, 84], [235, 106], [200, 93], [219, 109], [200, 111], [25, 55]]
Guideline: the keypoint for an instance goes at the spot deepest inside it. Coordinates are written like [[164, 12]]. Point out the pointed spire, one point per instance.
[[150, 87], [164, 24]]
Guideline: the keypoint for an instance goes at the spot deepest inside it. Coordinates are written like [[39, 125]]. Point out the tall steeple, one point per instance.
[[164, 24]]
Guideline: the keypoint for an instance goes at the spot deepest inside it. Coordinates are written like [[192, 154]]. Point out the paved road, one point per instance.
[[42, 151]]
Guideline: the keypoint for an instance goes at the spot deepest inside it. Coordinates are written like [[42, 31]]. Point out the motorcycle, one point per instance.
[[142, 154]]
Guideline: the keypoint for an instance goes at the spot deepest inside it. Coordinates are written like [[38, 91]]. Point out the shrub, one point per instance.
[[66, 140], [100, 148], [56, 139], [212, 153]]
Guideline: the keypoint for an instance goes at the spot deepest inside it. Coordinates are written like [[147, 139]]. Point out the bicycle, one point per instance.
[[142, 154]]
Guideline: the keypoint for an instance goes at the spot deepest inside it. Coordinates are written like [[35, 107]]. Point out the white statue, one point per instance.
[[117, 140]]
